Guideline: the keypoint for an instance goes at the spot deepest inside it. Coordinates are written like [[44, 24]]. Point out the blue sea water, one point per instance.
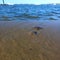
[[29, 12]]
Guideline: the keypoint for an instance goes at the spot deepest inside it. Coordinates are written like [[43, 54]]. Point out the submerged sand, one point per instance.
[[18, 42]]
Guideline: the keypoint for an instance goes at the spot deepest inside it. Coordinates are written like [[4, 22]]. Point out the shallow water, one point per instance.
[[18, 41], [29, 12], [17, 38]]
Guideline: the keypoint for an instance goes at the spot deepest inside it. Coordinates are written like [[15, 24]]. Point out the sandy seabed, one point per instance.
[[19, 42]]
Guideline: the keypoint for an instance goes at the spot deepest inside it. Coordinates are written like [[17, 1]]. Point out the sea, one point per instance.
[[26, 12]]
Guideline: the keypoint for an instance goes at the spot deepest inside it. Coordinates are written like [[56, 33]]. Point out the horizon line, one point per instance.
[[31, 4]]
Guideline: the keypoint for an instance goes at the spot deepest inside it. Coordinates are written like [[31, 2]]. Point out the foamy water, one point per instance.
[[29, 12]]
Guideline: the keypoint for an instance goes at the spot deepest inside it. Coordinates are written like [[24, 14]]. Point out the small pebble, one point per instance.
[[38, 28], [35, 32], [30, 49]]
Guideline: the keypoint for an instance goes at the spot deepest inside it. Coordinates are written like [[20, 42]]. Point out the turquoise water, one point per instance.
[[29, 12]]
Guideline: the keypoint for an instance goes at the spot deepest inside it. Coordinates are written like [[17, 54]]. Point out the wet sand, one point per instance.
[[19, 41]]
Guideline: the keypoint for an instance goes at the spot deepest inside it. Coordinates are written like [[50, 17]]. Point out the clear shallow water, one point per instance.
[[29, 12]]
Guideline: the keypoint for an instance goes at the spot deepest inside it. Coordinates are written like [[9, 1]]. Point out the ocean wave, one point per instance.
[[19, 12], [25, 15]]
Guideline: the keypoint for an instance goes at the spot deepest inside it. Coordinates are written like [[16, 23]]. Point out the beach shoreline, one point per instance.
[[18, 40]]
